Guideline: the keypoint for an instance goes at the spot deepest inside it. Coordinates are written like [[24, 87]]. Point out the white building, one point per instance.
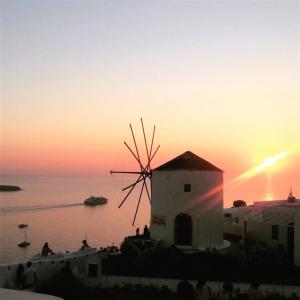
[[272, 222], [187, 203]]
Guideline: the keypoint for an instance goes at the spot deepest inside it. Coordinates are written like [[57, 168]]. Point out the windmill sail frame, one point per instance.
[[145, 170]]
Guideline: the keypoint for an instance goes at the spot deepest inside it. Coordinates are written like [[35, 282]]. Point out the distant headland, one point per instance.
[[9, 188]]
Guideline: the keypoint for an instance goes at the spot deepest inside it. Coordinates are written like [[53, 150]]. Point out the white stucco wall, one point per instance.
[[47, 267], [7, 294], [263, 232], [297, 240], [169, 200]]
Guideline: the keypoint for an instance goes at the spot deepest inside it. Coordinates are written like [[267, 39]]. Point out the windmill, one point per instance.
[[144, 174]]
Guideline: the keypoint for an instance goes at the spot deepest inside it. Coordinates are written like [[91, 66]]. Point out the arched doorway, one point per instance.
[[183, 229]]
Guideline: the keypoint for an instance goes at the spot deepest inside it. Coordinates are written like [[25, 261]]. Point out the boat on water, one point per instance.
[[22, 225], [24, 244], [9, 188], [91, 201]]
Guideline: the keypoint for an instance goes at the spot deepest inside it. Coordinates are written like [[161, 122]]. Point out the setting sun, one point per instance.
[[270, 161]]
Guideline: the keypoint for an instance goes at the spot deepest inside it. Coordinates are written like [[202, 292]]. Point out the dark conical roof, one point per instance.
[[187, 161]]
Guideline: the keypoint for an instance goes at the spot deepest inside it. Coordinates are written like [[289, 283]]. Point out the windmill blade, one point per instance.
[[148, 164], [136, 148], [139, 178], [127, 195], [129, 186], [137, 208], [143, 169], [124, 172], [144, 172], [154, 153], [148, 194], [148, 157], [151, 145], [137, 158]]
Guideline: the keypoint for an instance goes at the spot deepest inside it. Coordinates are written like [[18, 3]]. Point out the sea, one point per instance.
[[52, 206]]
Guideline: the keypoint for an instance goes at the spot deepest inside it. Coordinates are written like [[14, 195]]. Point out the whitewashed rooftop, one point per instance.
[[8, 294]]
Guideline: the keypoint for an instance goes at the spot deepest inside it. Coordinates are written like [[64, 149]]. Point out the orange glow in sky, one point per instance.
[[204, 72]]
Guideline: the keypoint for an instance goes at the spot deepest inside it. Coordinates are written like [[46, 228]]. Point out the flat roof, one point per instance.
[[9, 294]]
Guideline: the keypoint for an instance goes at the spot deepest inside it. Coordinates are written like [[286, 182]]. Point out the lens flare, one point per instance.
[[270, 161]]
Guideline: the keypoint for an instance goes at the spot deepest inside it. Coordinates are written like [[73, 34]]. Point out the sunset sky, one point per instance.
[[218, 78]]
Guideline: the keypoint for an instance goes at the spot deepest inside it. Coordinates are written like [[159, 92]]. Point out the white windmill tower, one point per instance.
[[186, 196], [187, 203]]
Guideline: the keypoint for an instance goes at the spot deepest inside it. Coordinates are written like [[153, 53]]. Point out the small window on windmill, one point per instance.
[[92, 270], [187, 188]]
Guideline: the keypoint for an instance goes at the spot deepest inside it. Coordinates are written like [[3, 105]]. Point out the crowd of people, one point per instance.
[[146, 232], [46, 250], [152, 292], [27, 279], [186, 291], [26, 276], [110, 250]]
